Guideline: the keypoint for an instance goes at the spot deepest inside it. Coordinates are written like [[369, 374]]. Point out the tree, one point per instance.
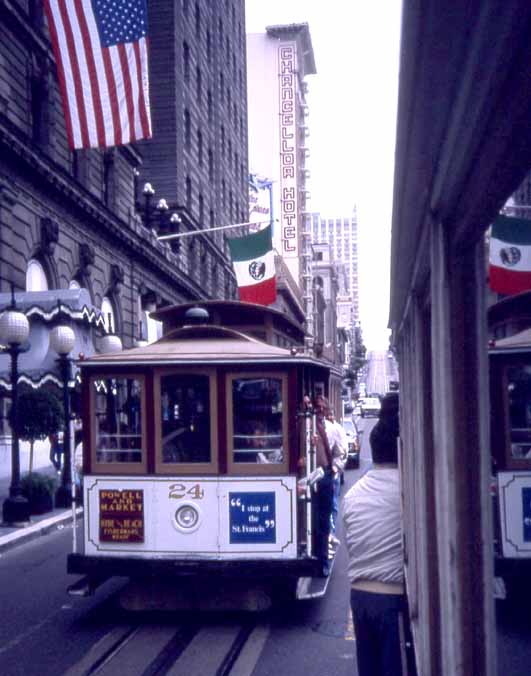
[[39, 414]]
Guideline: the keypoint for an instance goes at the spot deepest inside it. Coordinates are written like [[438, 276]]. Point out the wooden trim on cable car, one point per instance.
[[172, 468], [255, 468], [116, 467]]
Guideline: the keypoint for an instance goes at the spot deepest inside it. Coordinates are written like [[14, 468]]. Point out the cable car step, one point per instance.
[[313, 587], [86, 586]]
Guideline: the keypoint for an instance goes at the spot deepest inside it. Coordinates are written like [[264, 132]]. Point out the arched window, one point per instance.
[[36, 279], [108, 314]]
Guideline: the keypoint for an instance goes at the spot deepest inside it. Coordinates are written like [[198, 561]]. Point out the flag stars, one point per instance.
[[121, 21]]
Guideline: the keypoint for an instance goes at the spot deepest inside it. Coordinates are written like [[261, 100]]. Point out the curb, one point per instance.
[[35, 530]]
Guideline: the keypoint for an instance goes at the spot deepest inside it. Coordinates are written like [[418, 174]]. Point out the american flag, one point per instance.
[[100, 48]]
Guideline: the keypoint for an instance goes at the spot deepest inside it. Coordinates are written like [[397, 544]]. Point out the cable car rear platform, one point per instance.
[[302, 575]]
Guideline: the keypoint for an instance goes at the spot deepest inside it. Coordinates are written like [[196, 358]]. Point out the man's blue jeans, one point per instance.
[[323, 503], [376, 625], [335, 503]]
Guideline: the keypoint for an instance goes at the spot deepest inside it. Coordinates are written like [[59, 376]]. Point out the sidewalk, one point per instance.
[[40, 524]]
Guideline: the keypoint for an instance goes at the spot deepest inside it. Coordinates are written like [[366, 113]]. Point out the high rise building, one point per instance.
[[341, 233], [197, 158], [278, 61]]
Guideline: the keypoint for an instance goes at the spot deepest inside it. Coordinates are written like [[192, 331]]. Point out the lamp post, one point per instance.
[[14, 330], [158, 216], [62, 341]]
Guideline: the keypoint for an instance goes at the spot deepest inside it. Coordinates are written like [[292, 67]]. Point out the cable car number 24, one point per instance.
[[179, 491]]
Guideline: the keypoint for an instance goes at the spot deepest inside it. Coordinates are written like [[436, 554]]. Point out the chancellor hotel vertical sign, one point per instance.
[[288, 155]]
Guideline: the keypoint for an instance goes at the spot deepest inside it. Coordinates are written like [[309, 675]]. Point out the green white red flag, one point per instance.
[[510, 255], [254, 265]]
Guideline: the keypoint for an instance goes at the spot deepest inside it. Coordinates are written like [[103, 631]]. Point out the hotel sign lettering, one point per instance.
[[288, 149]]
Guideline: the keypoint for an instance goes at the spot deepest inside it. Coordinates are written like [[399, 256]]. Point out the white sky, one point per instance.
[[352, 121]]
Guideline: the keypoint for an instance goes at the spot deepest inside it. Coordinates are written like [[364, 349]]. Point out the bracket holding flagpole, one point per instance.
[[190, 233]]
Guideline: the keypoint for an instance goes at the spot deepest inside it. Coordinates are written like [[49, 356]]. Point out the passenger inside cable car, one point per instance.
[[185, 418], [257, 420], [519, 396]]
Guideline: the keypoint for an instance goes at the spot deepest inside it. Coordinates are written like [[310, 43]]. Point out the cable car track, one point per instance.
[[171, 650]]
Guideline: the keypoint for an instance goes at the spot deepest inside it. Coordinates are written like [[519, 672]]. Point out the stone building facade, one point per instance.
[[82, 218]]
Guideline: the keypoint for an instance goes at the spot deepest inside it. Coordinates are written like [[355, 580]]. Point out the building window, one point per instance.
[[210, 108], [210, 165], [209, 46], [198, 84], [201, 209], [108, 178], [189, 193], [187, 130], [186, 62], [197, 20], [40, 109], [36, 279], [108, 313], [200, 148]]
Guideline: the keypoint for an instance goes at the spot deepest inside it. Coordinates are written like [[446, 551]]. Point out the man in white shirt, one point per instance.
[[337, 438], [373, 533]]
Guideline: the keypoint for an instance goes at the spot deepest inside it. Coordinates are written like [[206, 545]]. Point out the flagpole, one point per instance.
[[189, 233]]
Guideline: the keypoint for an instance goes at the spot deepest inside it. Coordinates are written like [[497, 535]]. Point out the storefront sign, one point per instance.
[[121, 515], [252, 518]]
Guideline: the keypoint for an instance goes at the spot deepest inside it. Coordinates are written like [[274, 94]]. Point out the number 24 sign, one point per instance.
[[180, 491]]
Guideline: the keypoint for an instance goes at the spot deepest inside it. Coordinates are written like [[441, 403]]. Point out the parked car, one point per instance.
[[370, 406], [354, 444]]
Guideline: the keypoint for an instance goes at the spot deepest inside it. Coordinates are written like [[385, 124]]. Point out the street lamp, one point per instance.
[[14, 330], [62, 341]]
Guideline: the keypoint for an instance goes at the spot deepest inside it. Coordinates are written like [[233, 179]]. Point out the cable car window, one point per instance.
[[185, 418], [118, 420], [519, 397], [257, 406]]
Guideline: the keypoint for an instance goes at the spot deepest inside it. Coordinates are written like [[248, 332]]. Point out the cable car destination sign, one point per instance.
[[121, 515]]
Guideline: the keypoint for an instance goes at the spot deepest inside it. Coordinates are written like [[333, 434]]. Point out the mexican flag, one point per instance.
[[510, 255], [254, 265]]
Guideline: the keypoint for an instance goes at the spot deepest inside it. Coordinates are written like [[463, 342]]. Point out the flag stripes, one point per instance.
[[104, 88]]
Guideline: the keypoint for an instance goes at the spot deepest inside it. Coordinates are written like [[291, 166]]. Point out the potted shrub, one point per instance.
[[39, 489], [39, 414]]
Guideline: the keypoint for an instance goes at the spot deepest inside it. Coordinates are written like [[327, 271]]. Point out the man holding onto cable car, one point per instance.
[[324, 500]]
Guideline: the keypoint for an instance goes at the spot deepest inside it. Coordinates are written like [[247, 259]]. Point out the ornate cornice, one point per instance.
[[137, 241]]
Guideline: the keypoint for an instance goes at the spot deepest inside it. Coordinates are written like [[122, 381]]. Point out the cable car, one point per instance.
[[197, 461], [510, 385]]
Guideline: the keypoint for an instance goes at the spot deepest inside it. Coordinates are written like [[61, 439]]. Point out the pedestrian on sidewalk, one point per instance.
[[56, 450], [373, 533]]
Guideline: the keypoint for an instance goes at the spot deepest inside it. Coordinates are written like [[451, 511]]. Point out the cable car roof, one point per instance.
[[519, 342], [204, 344]]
